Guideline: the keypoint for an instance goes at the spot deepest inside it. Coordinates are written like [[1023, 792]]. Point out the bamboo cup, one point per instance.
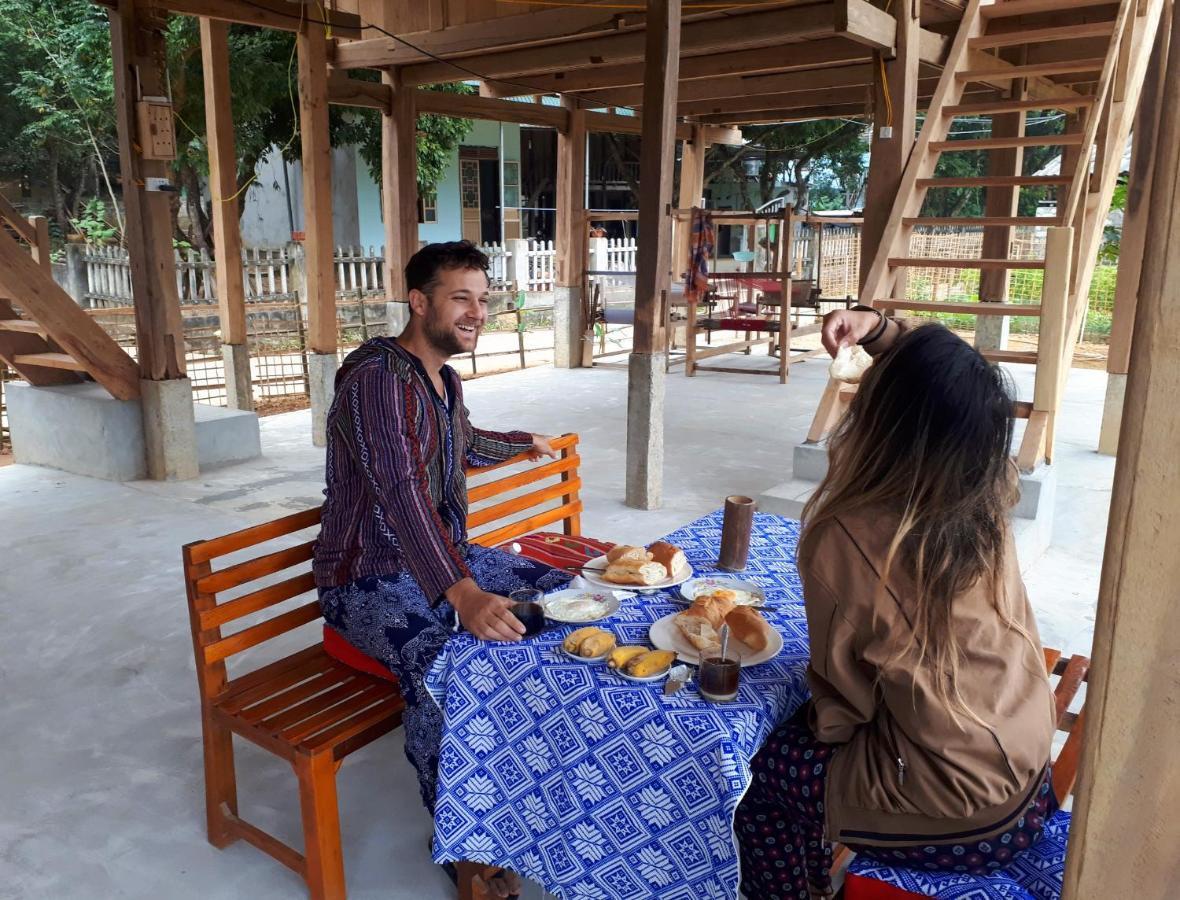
[[736, 526]]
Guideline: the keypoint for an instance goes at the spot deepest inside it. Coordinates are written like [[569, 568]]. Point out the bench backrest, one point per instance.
[[268, 570], [1070, 673]]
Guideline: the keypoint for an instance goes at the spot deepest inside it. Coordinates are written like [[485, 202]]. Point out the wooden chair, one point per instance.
[[308, 708], [1070, 673]]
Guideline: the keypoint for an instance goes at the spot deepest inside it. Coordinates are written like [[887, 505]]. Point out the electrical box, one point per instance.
[[157, 138]]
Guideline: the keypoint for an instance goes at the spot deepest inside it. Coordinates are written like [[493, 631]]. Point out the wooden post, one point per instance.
[[40, 247], [137, 49], [786, 238], [692, 188], [572, 240], [223, 192], [1135, 224], [399, 185], [648, 362], [888, 155], [1125, 832]]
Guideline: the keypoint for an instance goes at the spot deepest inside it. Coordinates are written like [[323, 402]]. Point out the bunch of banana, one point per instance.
[[620, 656], [588, 642], [652, 662]]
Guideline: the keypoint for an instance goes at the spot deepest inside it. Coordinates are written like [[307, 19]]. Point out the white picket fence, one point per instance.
[[620, 254], [360, 273]]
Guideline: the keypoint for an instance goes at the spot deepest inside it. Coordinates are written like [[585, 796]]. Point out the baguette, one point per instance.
[[644, 573], [715, 606], [697, 629], [669, 556], [625, 553], [747, 625]]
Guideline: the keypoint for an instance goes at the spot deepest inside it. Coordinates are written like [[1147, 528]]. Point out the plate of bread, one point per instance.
[[742, 593], [653, 568], [695, 633]]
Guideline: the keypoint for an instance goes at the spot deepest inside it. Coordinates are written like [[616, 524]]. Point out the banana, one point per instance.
[[620, 656], [574, 638], [650, 663], [597, 644]]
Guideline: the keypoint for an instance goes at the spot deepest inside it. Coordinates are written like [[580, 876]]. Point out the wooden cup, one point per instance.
[[735, 533]]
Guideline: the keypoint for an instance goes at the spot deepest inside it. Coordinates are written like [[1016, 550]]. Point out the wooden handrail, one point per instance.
[[19, 223]]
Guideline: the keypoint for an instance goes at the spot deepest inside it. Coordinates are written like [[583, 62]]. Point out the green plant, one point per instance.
[[92, 224]]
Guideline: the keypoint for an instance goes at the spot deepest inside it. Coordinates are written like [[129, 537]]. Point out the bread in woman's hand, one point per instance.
[[625, 553], [747, 625], [668, 555], [629, 572]]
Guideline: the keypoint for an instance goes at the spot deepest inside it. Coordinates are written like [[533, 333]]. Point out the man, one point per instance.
[[394, 570]]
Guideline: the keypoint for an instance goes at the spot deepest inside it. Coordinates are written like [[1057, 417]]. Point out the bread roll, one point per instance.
[[850, 364], [697, 629], [644, 573], [625, 553], [747, 625], [716, 606], [667, 555]]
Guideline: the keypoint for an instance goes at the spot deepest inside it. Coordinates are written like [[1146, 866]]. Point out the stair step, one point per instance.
[[993, 143], [1011, 356], [50, 361], [1032, 7], [984, 221], [995, 181], [1003, 70], [991, 107], [24, 326], [934, 262], [1042, 35], [970, 308]]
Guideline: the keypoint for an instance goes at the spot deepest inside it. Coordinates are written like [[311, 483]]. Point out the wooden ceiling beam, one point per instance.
[[847, 18], [345, 91], [806, 98], [281, 15], [472, 106], [807, 113]]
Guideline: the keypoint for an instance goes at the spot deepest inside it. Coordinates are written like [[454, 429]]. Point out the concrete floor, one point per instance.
[[101, 791]]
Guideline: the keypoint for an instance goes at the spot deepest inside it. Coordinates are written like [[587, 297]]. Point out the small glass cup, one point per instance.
[[526, 606], [718, 678]]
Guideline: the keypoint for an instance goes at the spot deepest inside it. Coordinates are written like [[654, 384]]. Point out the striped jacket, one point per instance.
[[396, 494]]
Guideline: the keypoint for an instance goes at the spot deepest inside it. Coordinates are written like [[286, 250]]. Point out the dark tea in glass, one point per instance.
[[526, 606], [718, 678]]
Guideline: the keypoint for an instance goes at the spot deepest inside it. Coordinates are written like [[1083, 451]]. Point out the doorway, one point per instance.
[[489, 201]]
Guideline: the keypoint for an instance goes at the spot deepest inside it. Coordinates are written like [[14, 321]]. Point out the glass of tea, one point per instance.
[[526, 606], [718, 678]]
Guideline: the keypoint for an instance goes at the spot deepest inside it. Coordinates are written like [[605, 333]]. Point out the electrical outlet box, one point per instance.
[[886, 132], [157, 138]]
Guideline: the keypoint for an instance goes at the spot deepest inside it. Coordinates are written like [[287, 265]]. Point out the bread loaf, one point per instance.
[[747, 625], [669, 556], [629, 572], [694, 624], [625, 553], [716, 606]]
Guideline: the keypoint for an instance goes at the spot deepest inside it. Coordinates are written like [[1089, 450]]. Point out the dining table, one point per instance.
[[596, 787]]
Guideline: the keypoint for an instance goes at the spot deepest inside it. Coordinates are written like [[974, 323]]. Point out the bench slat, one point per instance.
[[278, 701], [235, 609], [263, 631], [1065, 767], [278, 676], [301, 712], [203, 551], [1071, 680], [1051, 657], [372, 694], [523, 502], [258, 567], [346, 731], [492, 488], [524, 526]]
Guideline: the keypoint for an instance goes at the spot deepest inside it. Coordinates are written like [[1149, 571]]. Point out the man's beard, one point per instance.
[[441, 339]]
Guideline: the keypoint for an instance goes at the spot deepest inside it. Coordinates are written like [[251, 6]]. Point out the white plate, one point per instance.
[[664, 635], [580, 606], [586, 659], [656, 677], [593, 570], [709, 583]]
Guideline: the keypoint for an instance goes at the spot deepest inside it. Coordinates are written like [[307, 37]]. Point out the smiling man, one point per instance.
[[394, 570]]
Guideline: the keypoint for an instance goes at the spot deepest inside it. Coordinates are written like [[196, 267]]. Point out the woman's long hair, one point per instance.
[[928, 436]]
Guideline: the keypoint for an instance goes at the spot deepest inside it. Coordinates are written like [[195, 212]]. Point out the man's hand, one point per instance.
[[485, 615], [847, 326], [541, 447]]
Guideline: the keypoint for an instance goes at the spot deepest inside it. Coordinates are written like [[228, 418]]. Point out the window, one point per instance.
[[429, 207]]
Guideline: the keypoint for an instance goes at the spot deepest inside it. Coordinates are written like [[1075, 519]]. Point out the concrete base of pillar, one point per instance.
[[321, 374], [397, 316], [567, 327], [1112, 414], [169, 429], [239, 392], [645, 430], [810, 462], [226, 436], [991, 332]]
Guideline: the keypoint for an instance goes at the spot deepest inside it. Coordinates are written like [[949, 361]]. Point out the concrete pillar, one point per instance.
[[567, 327], [169, 429], [321, 376], [76, 284], [645, 430], [991, 332], [397, 317], [239, 393], [518, 263], [1112, 414]]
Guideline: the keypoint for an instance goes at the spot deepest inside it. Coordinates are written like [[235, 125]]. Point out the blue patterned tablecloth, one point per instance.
[[596, 787]]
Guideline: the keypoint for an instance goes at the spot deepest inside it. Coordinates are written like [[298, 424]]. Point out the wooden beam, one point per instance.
[[736, 32], [734, 107], [795, 114], [137, 46], [277, 14], [223, 181], [471, 106], [888, 154], [692, 188], [1129, 788], [865, 24], [319, 260], [616, 124], [345, 91], [645, 424], [572, 240], [399, 183], [21, 225]]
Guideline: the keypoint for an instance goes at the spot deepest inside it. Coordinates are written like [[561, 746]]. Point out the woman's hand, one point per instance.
[[485, 615], [542, 447], [847, 326]]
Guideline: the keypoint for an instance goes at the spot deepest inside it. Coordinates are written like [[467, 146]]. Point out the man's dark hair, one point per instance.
[[423, 268]]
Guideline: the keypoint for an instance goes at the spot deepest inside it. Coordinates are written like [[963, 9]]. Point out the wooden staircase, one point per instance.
[[1084, 58], [45, 337]]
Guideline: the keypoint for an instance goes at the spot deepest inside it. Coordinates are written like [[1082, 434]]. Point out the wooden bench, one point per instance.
[[1070, 673], [306, 707]]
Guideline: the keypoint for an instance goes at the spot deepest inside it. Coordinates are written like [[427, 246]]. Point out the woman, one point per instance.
[[927, 739]]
